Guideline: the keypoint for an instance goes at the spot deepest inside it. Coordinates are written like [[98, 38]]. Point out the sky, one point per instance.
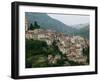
[[71, 19]]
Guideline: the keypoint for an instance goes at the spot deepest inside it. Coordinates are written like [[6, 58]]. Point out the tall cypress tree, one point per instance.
[[36, 25], [31, 26]]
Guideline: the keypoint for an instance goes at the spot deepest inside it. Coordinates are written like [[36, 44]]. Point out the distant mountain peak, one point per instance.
[[79, 26]]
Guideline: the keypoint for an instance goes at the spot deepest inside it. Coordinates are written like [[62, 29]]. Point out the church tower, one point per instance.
[[26, 24]]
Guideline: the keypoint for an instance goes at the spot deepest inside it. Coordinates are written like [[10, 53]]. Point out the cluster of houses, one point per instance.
[[71, 46]]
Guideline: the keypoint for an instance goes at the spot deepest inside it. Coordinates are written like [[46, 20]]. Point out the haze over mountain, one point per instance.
[[83, 30], [79, 26], [47, 22]]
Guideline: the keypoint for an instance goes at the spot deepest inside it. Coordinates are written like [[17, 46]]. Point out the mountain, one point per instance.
[[83, 30], [79, 26], [47, 22]]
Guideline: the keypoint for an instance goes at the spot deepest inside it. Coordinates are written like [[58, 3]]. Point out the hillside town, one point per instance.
[[71, 47]]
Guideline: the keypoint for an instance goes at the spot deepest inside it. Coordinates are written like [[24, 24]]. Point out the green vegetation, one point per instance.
[[37, 54], [34, 52], [86, 53], [35, 26]]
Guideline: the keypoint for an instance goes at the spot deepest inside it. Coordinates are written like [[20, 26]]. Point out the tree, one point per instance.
[[36, 25], [31, 26]]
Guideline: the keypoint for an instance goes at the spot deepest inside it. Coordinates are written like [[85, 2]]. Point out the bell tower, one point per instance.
[[26, 24]]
